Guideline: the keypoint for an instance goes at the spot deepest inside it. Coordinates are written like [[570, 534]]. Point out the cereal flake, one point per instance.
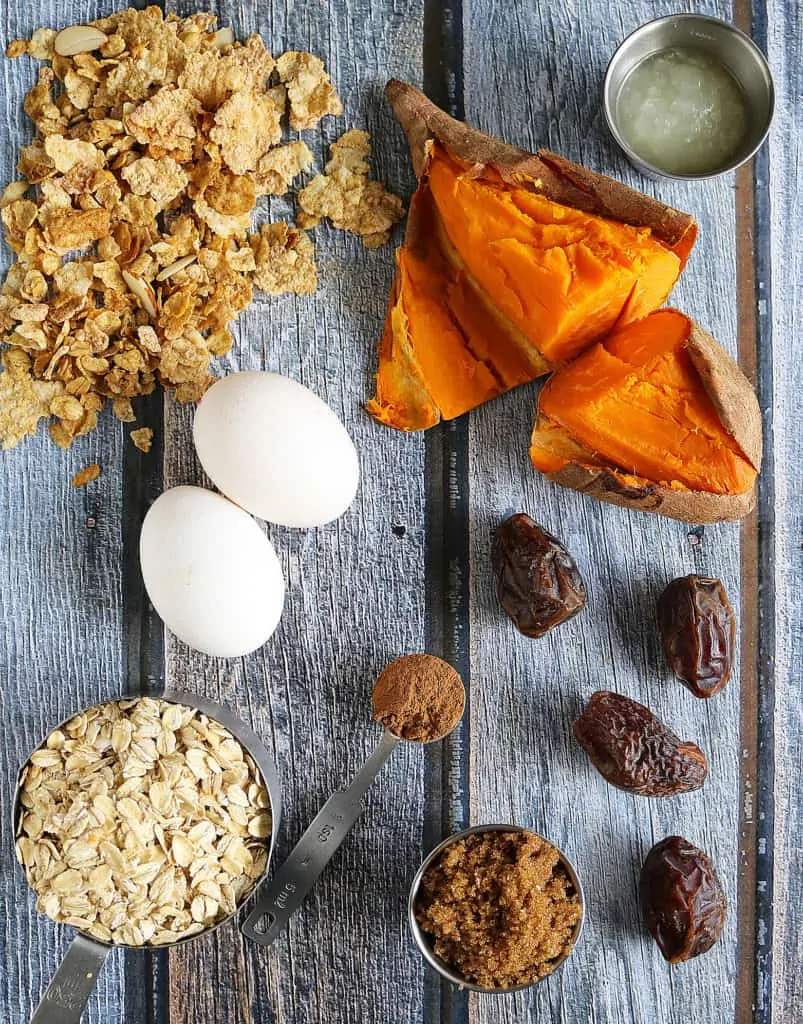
[[309, 89], [86, 475]]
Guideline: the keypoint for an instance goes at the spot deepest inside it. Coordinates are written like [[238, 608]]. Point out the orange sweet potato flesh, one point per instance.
[[495, 285], [564, 277], [445, 348], [512, 264], [637, 403]]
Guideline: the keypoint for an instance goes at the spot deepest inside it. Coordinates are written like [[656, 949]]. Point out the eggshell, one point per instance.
[[275, 448], [211, 572]]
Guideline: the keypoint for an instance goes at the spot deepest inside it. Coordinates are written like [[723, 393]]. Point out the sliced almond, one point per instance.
[[78, 39], [176, 267], [143, 292], [223, 37]]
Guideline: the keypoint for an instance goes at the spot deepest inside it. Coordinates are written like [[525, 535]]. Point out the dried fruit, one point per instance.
[[142, 822], [634, 750], [682, 899], [698, 629], [537, 580]]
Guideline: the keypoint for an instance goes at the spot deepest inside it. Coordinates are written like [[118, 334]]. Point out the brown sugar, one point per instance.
[[499, 907], [419, 697]]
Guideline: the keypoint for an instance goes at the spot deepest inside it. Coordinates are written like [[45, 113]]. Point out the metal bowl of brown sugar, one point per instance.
[[456, 891]]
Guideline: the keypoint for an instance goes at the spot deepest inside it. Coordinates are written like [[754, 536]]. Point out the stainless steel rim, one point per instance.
[[423, 943], [253, 746], [608, 100]]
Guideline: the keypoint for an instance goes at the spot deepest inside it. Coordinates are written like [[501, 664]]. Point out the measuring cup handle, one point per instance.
[[298, 874], [66, 996]]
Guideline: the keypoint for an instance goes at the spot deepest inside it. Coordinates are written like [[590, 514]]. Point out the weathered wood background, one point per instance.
[[407, 568]]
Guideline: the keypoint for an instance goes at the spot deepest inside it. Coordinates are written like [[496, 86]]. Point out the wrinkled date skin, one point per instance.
[[634, 751], [538, 582], [682, 900], [698, 628]]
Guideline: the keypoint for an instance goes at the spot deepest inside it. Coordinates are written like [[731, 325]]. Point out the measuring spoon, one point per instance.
[[401, 691]]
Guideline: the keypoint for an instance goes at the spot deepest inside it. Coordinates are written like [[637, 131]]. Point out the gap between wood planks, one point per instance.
[[755, 889], [447, 766]]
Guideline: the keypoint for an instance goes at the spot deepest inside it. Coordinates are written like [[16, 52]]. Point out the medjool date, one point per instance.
[[634, 750], [698, 629], [682, 900], [538, 582]]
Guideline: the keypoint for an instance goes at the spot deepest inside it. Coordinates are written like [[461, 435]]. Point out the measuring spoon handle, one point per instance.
[[294, 879]]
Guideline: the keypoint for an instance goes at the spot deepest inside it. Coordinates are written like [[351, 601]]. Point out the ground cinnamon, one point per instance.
[[419, 697]]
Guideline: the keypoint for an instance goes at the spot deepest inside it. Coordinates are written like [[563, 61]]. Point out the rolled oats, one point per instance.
[[142, 822]]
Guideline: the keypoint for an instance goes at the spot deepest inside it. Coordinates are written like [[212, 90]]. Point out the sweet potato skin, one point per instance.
[[688, 506], [736, 403]]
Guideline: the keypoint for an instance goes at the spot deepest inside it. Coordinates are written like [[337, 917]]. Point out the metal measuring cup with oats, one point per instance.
[[142, 822]]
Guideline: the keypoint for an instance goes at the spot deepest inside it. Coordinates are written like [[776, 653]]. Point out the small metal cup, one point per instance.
[[731, 47], [423, 942], [68, 992]]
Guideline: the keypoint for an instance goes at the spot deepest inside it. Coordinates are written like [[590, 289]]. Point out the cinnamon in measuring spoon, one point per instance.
[[419, 697]]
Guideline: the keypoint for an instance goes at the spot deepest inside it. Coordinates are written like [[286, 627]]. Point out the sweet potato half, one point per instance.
[[515, 265], [512, 264], [656, 416]]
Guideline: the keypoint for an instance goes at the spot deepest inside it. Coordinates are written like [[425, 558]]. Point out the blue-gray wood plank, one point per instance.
[[784, 172], [358, 593], [554, 58]]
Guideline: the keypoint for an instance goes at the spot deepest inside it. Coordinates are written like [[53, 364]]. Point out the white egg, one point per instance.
[[275, 448], [211, 572]]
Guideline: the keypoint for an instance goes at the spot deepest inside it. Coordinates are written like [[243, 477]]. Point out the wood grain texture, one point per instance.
[[355, 593], [61, 603], [357, 588], [785, 42], [526, 693]]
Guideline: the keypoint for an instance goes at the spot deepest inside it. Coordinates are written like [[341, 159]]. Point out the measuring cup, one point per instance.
[[66, 996]]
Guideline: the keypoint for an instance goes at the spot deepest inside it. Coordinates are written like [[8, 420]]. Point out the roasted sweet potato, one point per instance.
[[515, 265], [656, 416], [512, 264]]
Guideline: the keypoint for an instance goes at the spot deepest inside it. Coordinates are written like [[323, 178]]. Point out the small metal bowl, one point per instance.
[[731, 47], [423, 942]]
